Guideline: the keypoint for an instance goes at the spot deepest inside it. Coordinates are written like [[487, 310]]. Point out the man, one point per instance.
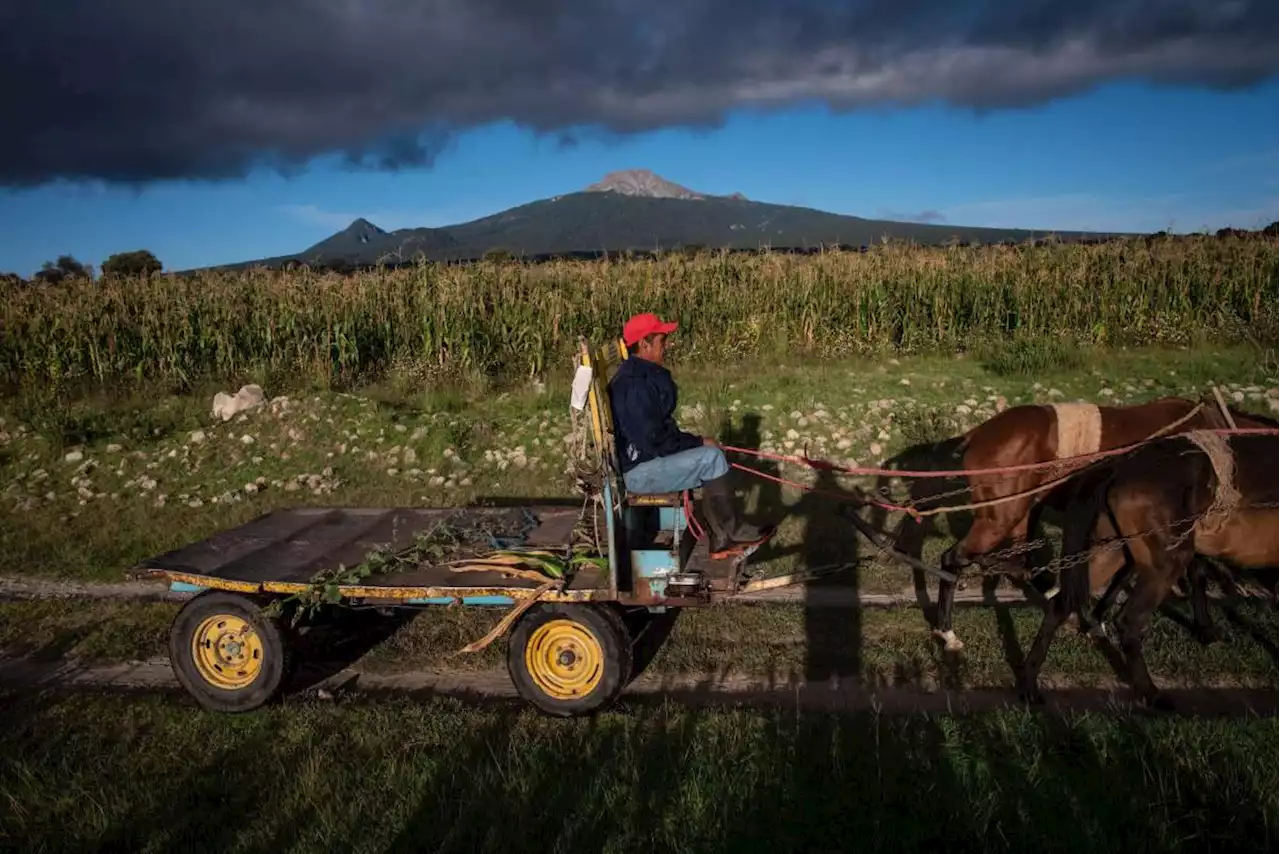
[[655, 456]]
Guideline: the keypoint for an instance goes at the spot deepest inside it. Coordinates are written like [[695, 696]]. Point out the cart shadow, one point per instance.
[[340, 640]]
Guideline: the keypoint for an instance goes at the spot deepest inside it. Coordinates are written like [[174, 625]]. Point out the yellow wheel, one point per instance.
[[564, 659], [227, 651], [226, 654], [569, 659]]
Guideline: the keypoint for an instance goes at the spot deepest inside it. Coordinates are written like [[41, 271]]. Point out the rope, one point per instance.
[[1082, 459]]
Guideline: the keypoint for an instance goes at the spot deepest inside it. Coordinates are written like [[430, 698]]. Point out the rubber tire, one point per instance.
[[602, 621], [277, 655]]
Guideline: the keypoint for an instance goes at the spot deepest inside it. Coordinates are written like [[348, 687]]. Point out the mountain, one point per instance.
[[631, 210], [362, 241]]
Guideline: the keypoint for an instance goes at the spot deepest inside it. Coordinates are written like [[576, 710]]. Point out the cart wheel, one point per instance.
[[226, 653], [568, 659]]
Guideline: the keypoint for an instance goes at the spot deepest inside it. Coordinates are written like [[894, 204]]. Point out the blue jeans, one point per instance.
[[684, 470]]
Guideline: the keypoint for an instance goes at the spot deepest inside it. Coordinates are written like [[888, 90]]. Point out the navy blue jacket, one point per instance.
[[643, 398]]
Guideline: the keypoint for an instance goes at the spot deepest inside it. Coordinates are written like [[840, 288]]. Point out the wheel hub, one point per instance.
[[227, 651], [564, 659]]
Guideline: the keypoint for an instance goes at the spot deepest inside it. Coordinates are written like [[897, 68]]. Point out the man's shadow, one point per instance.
[[832, 623]]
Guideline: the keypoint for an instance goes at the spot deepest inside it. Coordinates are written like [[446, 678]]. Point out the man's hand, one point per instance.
[[709, 442]]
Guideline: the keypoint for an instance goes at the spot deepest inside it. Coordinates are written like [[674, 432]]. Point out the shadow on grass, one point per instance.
[[440, 776]]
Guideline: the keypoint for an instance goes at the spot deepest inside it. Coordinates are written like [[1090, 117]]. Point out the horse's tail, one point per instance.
[[1088, 503]]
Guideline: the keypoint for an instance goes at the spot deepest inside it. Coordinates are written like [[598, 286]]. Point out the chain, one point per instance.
[[1067, 561]]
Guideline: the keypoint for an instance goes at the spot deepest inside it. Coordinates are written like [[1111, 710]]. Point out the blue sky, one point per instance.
[[1122, 157]]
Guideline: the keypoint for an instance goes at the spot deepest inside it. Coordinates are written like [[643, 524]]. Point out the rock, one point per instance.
[[793, 434], [963, 409], [904, 381], [1273, 393], [251, 488], [74, 456], [844, 445], [1001, 404], [246, 439], [227, 406], [876, 449], [1237, 396], [113, 449], [197, 437], [410, 456]]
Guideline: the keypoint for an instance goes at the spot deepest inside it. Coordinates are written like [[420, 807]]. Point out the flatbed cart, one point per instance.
[[570, 651]]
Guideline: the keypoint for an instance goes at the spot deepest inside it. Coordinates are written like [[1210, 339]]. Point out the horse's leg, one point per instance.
[[985, 534], [1158, 567], [1054, 616], [1099, 616], [1197, 579]]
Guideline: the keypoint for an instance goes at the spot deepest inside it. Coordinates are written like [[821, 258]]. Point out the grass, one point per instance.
[[511, 320], [390, 444], [146, 774]]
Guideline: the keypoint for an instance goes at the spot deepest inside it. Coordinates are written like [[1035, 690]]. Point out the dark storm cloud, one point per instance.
[[137, 90]]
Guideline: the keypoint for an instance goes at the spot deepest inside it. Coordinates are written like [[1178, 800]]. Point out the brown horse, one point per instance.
[[1160, 506], [1029, 434]]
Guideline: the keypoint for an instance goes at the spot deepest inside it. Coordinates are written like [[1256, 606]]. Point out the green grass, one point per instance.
[[393, 444], [86, 629], [93, 773]]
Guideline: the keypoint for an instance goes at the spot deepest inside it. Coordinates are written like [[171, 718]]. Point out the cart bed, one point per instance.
[[283, 550]]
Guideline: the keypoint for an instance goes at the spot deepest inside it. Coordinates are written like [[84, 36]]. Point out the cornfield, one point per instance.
[[509, 319]]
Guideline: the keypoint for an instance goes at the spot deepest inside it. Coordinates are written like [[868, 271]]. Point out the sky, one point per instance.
[[212, 132]]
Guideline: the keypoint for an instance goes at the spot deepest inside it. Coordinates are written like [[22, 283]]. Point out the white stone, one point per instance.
[[197, 437], [74, 456], [876, 449], [227, 406], [113, 448], [246, 439]]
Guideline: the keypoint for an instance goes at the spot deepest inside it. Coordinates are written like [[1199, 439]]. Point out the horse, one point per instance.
[[1041, 433], [1152, 512]]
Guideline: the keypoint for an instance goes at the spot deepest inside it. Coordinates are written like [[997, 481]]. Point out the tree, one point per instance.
[[140, 262], [11, 280], [66, 267]]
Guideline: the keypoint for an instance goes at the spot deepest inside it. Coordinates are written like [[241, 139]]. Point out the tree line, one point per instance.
[[139, 262]]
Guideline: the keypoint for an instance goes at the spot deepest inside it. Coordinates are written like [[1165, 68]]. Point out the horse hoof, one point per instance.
[[950, 643], [1208, 635]]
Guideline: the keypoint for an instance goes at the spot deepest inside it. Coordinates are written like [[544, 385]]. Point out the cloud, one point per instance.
[[922, 216], [133, 91]]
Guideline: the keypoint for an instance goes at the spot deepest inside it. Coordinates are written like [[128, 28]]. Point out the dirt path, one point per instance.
[[824, 595], [707, 690]]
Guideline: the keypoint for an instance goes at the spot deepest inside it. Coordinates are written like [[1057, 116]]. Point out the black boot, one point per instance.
[[728, 532]]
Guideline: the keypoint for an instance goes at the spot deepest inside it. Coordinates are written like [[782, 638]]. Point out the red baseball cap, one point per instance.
[[642, 325]]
